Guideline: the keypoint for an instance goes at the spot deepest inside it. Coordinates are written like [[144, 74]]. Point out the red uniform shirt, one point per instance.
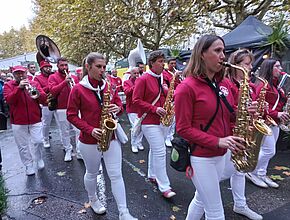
[[83, 100], [195, 104], [42, 80], [23, 109], [128, 87], [168, 77], [116, 83], [147, 89], [60, 89]]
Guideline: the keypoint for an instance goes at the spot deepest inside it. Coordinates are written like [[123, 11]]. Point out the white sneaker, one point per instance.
[[79, 156], [30, 170], [67, 156], [140, 147], [40, 164], [168, 142], [98, 207], [249, 213], [256, 180], [46, 144], [126, 216], [269, 182], [134, 149]]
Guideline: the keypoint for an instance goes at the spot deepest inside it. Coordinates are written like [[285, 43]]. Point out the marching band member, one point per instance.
[[115, 80], [25, 115], [42, 79], [270, 70], [243, 58], [151, 90], [132, 111], [60, 84], [31, 71], [86, 98], [204, 74]]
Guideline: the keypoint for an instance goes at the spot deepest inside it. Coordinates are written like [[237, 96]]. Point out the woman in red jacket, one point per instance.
[[270, 70], [86, 98], [198, 92]]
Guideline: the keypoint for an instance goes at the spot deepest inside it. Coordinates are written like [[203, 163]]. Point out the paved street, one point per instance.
[[57, 192]]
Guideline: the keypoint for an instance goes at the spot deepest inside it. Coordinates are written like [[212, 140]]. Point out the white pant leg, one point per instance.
[[22, 139], [237, 180], [207, 174], [64, 127], [36, 140], [171, 130], [155, 136], [46, 121], [267, 151], [135, 140], [92, 159], [77, 132]]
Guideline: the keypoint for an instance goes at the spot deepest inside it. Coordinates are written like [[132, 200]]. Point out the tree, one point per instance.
[[112, 27], [228, 14]]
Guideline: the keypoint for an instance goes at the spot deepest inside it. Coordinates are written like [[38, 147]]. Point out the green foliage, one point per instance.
[[3, 196]]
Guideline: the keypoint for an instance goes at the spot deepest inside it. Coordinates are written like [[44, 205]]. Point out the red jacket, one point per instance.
[[168, 77], [42, 80], [116, 83], [83, 100], [147, 89], [23, 109], [128, 87], [195, 104], [59, 88], [271, 97]]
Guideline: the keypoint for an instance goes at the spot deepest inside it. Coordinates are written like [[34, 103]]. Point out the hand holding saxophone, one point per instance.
[[233, 143], [97, 133], [253, 107], [160, 111], [284, 116], [114, 109]]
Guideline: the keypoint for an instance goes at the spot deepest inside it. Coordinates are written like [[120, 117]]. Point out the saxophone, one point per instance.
[[168, 106], [261, 103], [251, 129], [108, 124]]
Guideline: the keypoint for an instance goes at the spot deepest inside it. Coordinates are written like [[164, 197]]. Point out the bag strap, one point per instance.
[[153, 103], [277, 101]]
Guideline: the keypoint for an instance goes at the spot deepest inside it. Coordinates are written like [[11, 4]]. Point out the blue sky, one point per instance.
[[15, 13]]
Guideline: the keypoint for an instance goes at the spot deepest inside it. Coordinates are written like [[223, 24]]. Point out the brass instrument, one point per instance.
[[108, 124], [32, 91], [285, 126], [261, 103], [72, 82], [252, 130], [168, 106]]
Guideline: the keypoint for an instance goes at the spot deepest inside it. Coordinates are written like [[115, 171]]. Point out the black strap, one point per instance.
[[160, 85], [99, 97]]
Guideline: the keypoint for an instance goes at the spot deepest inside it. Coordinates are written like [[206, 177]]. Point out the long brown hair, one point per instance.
[[196, 66], [266, 70], [90, 59]]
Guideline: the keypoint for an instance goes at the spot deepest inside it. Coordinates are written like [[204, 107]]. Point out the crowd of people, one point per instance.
[[90, 98]]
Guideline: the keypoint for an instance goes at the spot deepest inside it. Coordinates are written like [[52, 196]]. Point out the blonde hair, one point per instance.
[[196, 66], [236, 58], [90, 59]]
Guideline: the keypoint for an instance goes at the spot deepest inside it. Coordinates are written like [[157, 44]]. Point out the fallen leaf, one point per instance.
[[141, 161], [39, 201], [145, 196], [175, 209], [83, 210], [87, 205], [276, 177], [61, 173], [286, 173], [136, 169], [172, 217], [281, 168]]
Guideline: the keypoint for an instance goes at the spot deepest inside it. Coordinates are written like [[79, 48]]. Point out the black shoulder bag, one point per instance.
[[181, 149]]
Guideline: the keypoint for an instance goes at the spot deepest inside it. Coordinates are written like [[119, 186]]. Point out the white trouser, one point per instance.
[[24, 135], [46, 121], [135, 140], [113, 162], [238, 181], [77, 132], [157, 155], [267, 151], [171, 130], [64, 127], [207, 174]]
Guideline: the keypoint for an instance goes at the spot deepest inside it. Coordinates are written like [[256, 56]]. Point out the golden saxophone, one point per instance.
[[285, 126], [108, 124], [168, 106], [261, 103], [251, 129]]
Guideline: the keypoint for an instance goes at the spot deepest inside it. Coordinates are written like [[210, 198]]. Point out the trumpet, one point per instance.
[[71, 83], [32, 91]]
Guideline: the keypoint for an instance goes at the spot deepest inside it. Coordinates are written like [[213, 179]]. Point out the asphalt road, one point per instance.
[[57, 192]]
